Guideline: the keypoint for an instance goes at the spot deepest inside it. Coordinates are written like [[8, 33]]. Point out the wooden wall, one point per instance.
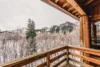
[[94, 11]]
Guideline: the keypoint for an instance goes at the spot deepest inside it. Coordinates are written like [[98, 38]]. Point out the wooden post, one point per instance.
[[84, 31], [48, 60], [81, 32], [67, 55], [86, 26]]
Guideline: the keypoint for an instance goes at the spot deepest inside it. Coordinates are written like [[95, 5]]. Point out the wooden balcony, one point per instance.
[[64, 58]]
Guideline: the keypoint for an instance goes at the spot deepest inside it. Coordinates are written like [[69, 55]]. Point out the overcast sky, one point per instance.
[[15, 14]]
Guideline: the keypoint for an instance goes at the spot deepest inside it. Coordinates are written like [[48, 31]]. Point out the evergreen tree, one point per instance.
[[54, 29], [64, 29], [30, 35], [70, 28], [57, 29]]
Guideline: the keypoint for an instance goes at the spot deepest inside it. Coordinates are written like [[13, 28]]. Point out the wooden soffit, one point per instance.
[[70, 7]]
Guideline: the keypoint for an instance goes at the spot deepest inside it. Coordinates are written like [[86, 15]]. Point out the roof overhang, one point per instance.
[[60, 8], [70, 7]]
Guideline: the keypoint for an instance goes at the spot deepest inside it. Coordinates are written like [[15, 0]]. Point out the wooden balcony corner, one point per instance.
[[66, 52]]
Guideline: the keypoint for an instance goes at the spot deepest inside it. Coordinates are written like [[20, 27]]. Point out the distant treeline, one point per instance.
[[65, 27]]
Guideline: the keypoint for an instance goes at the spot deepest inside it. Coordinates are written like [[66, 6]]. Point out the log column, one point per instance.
[[85, 31], [81, 32]]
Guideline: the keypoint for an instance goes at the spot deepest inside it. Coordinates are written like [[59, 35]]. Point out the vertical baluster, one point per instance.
[[67, 58], [48, 60]]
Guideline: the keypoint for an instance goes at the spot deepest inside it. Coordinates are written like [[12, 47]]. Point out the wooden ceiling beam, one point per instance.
[[65, 4], [77, 14], [76, 6], [88, 2], [74, 11], [56, 1], [71, 8], [95, 3], [61, 2]]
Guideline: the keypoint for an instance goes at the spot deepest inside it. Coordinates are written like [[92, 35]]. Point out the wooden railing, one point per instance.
[[89, 52], [63, 55]]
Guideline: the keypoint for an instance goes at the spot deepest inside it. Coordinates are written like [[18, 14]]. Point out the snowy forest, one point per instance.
[[28, 41]]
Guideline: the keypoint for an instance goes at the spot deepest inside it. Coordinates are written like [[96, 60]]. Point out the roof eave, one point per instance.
[[61, 9]]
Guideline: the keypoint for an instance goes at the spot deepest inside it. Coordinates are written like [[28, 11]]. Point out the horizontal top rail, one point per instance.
[[86, 50], [32, 58]]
